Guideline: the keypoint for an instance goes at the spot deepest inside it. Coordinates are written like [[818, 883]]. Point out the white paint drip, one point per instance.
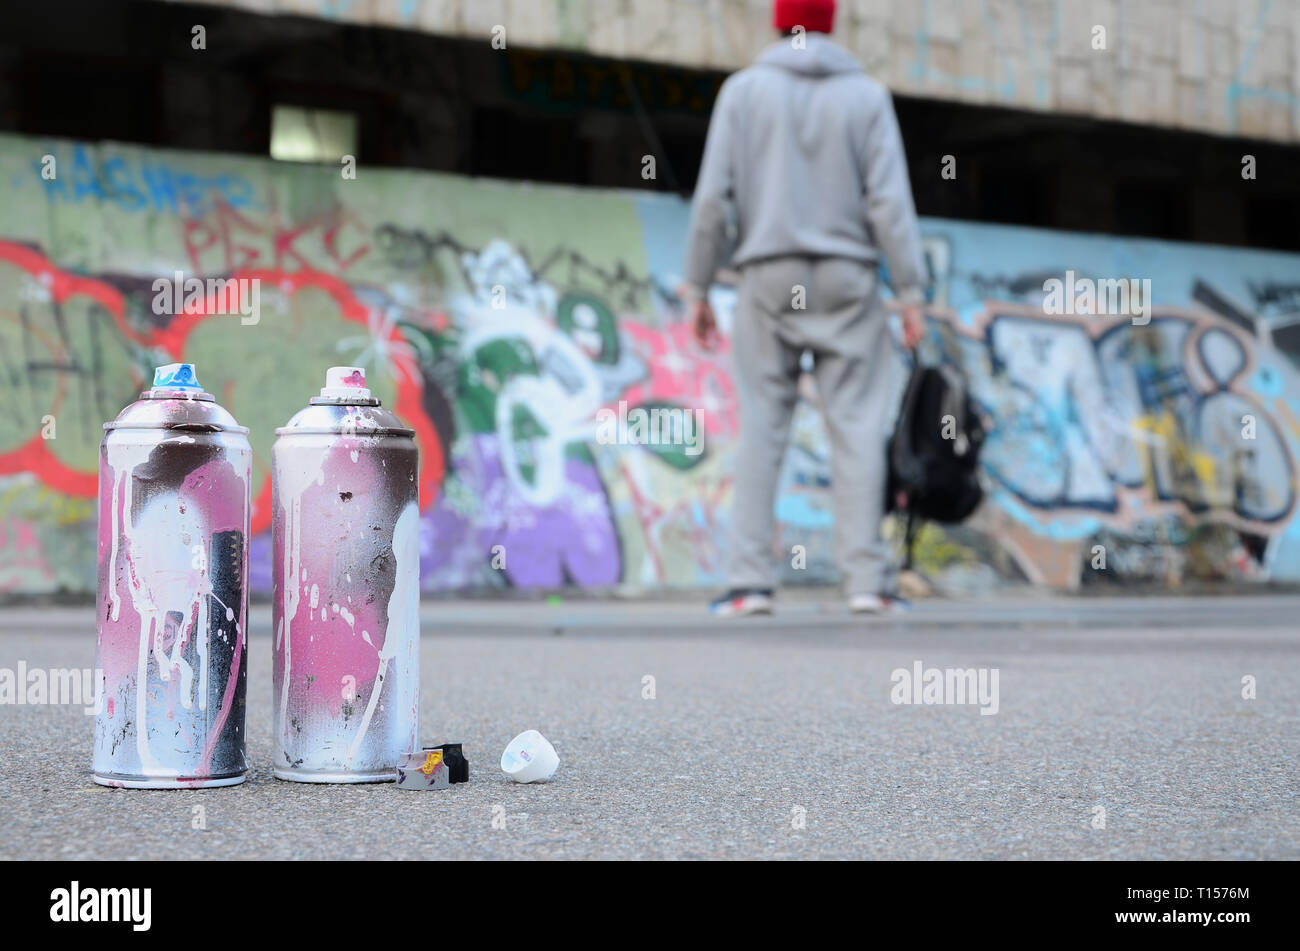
[[122, 457], [293, 483], [292, 519], [148, 765], [203, 647], [162, 554], [114, 601], [403, 610]]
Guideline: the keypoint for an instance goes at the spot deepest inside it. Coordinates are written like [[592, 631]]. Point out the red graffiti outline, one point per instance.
[[35, 456]]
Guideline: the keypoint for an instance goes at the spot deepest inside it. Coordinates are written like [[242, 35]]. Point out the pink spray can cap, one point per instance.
[[345, 383]]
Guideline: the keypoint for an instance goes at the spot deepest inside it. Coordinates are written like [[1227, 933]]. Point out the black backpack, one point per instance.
[[934, 451]]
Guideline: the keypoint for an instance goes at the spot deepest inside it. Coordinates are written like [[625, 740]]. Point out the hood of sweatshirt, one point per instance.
[[819, 57]]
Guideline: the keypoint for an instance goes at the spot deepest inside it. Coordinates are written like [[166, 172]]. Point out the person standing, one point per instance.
[[804, 170]]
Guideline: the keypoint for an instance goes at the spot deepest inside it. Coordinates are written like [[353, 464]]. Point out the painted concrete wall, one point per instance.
[[1226, 66], [500, 319]]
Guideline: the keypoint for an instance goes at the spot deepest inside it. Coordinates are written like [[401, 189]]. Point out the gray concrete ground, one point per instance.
[[1131, 705]]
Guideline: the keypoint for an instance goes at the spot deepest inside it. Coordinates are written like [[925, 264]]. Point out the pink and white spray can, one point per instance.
[[346, 562], [174, 471]]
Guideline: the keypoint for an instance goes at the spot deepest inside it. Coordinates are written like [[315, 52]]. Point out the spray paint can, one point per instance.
[[346, 565], [174, 471]]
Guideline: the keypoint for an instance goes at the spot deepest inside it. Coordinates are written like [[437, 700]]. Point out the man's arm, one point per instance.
[[890, 210], [713, 204]]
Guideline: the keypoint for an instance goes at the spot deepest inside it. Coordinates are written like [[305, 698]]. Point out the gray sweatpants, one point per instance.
[[847, 330]]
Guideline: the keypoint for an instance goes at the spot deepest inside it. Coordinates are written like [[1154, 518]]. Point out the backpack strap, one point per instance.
[[909, 537]]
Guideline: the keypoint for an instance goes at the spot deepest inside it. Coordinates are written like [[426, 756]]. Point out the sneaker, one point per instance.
[[881, 604], [742, 602]]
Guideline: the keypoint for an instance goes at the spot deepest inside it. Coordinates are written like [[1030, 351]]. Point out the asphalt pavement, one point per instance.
[[1121, 731]]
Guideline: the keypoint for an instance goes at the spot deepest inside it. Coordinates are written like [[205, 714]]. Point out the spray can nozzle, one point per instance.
[[345, 383], [175, 376]]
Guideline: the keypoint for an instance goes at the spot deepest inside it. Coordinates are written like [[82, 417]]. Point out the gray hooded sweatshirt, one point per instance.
[[804, 155]]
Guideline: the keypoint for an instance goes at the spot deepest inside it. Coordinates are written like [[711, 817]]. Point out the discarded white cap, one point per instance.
[[530, 758], [345, 383]]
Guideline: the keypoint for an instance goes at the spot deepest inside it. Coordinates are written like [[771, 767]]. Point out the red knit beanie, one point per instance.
[[815, 16]]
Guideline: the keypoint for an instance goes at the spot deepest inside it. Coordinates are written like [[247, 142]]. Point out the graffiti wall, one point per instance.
[[504, 320], [1159, 444]]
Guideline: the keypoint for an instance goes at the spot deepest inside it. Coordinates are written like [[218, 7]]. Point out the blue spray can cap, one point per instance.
[[176, 376]]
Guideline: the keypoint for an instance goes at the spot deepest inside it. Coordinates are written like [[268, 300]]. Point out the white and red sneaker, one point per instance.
[[743, 602], [880, 604]]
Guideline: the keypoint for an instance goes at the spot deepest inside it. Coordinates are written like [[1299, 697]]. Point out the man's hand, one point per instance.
[[704, 324], [913, 326]]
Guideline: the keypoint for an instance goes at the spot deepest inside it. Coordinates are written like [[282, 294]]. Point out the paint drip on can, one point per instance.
[[174, 475], [346, 566]]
